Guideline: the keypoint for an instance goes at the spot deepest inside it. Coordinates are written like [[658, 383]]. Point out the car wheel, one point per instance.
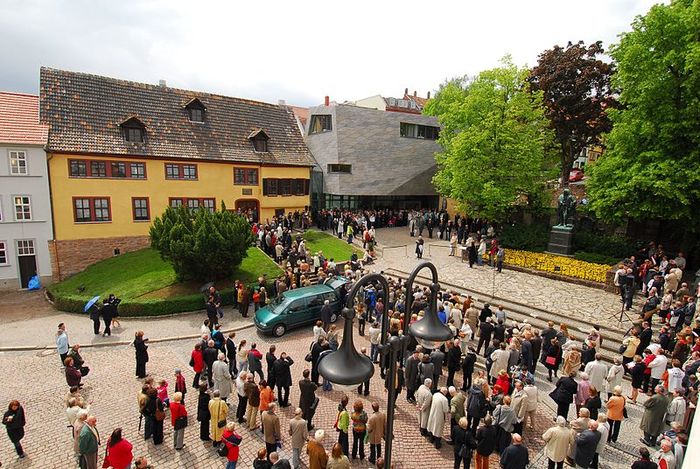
[[279, 330], [334, 317]]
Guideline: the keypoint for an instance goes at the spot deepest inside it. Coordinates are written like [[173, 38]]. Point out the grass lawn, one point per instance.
[[331, 246], [143, 274]]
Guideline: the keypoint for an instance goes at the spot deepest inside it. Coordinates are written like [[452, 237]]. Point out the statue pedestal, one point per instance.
[[561, 240]]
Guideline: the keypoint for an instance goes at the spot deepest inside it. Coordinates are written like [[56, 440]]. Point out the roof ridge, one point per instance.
[[158, 87], [18, 93]]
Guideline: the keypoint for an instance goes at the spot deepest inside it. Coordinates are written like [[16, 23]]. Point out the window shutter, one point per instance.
[[265, 185], [306, 187]]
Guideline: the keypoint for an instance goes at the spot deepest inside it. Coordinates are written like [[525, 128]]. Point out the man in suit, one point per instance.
[[307, 398], [283, 378], [586, 444], [88, 443], [454, 360], [485, 330], [376, 426]]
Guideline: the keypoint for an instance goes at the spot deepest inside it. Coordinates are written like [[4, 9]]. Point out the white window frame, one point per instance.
[[3, 248], [2, 217], [25, 158], [14, 205], [25, 247]]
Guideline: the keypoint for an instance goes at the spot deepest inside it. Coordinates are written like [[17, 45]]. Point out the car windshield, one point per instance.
[[279, 303]]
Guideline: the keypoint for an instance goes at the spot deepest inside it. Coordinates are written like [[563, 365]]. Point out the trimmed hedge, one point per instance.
[[595, 258], [533, 238], [148, 307], [611, 246]]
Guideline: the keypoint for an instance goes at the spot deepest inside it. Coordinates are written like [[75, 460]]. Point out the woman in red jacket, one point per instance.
[[178, 416], [197, 364], [503, 381], [119, 455]]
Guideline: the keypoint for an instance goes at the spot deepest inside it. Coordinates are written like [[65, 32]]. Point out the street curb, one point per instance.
[[25, 348]]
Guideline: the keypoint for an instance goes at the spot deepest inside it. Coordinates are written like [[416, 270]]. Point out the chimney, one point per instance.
[[415, 93], [405, 92], [428, 95], [282, 102], [326, 101], [162, 83]]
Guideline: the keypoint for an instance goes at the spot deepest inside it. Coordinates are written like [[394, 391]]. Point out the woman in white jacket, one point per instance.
[[615, 374]]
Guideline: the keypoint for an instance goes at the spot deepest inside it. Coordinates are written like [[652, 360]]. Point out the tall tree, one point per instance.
[[651, 169], [493, 136], [576, 92]]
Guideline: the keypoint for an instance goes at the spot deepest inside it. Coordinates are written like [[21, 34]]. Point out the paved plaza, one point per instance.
[[37, 380]]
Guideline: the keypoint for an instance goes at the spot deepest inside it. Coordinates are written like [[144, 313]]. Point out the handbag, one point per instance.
[[181, 422], [191, 361], [222, 450], [308, 357], [159, 415], [551, 361], [314, 405], [622, 348], [84, 370]]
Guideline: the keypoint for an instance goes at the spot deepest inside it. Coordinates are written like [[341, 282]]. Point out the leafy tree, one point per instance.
[[201, 245], [493, 136], [576, 92], [651, 169]]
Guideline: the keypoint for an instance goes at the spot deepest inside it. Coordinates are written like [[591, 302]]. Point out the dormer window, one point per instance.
[[259, 139], [195, 110], [134, 130]]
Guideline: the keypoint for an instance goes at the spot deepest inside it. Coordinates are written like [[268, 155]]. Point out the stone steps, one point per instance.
[[537, 317]]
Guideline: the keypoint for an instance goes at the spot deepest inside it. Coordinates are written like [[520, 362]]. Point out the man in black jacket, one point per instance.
[[515, 456], [270, 359], [586, 444], [210, 354], [231, 354], [454, 359], [485, 331], [644, 337], [307, 398], [468, 369], [499, 331], [283, 378], [564, 392]]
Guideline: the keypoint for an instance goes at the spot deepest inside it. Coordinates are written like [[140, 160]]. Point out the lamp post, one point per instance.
[[346, 368]]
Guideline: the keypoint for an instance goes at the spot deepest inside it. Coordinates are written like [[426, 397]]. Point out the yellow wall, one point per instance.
[[214, 180]]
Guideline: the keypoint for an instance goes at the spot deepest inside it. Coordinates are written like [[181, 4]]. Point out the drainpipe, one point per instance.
[[49, 157]]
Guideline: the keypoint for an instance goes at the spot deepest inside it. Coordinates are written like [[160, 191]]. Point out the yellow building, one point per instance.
[[120, 152]]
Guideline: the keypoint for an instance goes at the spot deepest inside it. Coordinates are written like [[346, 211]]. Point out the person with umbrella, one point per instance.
[[94, 313]]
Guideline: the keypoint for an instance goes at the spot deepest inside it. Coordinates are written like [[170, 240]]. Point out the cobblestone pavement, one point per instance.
[[22, 311], [586, 303], [112, 388]]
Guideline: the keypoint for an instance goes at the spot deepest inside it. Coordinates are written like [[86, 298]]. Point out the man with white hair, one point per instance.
[[88, 443], [586, 445], [299, 434], [664, 457], [317, 454], [557, 440], [424, 399], [439, 412]]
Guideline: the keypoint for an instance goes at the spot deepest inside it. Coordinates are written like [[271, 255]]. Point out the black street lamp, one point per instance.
[[347, 369]]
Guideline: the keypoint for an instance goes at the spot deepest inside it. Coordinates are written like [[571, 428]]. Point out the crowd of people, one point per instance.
[[488, 411]]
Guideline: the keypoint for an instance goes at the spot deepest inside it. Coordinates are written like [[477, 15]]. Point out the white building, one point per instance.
[[25, 206]]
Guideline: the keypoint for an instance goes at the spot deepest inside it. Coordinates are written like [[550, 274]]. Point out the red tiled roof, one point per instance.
[[19, 119], [85, 112]]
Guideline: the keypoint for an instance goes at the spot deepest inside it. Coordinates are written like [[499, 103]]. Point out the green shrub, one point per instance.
[[612, 246], [201, 245], [532, 238], [595, 258]]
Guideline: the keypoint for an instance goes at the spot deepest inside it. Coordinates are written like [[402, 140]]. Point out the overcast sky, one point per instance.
[[293, 50]]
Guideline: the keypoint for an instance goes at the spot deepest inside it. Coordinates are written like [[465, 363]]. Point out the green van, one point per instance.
[[299, 307]]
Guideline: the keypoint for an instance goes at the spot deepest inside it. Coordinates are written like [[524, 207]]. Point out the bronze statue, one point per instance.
[[567, 208]]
